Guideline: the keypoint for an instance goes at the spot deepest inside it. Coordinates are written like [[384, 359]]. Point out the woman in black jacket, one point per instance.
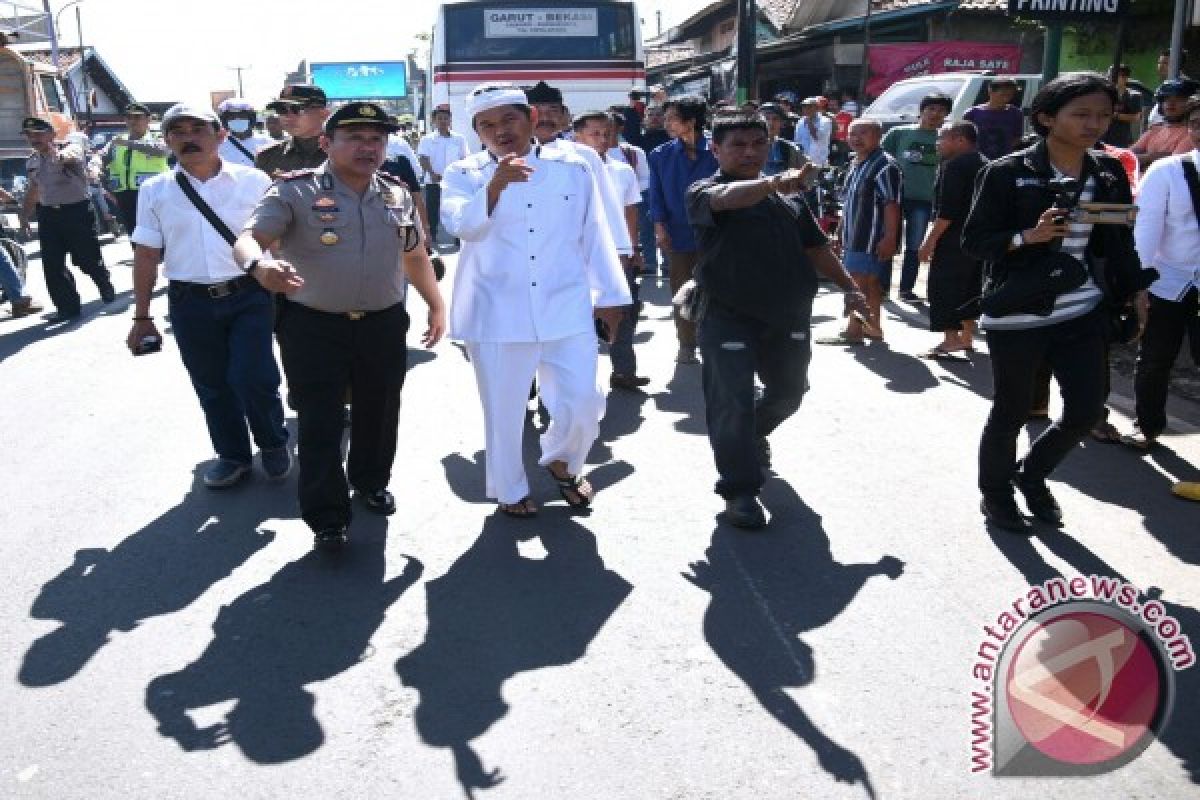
[[1052, 285]]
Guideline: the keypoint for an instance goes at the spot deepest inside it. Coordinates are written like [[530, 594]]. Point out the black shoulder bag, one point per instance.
[[1193, 182], [241, 147], [204, 208]]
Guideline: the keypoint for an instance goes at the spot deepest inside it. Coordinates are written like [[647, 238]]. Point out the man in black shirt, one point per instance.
[[1127, 112], [760, 251]]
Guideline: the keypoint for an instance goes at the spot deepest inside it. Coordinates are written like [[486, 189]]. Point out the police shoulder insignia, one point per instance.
[[294, 175]]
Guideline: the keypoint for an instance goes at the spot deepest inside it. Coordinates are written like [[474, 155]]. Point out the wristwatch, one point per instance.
[[248, 268]]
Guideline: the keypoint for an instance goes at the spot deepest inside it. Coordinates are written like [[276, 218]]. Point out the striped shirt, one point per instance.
[[1067, 305], [871, 185]]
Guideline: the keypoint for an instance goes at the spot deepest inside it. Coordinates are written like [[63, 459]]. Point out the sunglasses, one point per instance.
[[283, 111]]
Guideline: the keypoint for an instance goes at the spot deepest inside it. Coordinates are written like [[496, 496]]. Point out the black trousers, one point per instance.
[[323, 355], [433, 206], [1166, 325], [69, 230], [736, 347], [127, 209], [1077, 353]]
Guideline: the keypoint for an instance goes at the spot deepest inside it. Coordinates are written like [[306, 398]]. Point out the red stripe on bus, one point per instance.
[[460, 77]]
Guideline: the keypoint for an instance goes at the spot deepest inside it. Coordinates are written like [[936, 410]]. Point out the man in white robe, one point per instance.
[[537, 264]]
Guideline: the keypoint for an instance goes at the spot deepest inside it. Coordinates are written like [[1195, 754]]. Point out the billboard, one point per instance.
[[362, 80], [894, 62]]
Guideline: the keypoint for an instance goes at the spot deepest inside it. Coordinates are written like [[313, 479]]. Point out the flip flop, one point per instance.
[[940, 354], [572, 485], [841, 339]]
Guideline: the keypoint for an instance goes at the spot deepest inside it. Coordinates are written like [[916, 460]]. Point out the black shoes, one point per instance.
[[763, 452], [1039, 500], [107, 292], [631, 382], [379, 501], [744, 511], [331, 539], [1002, 512]]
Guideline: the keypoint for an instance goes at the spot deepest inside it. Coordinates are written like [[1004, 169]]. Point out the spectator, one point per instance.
[[438, 150], [1000, 123], [242, 142], [674, 167], [783, 154], [813, 132], [1169, 137], [1168, 239], [915, 149], [635, 157], [955, 278], [1128, 112], [1163, 70], [870, 227]]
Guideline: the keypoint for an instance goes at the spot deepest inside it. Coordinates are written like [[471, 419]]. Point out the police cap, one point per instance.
[[1179, 87], [304, 95], [136, 108], [36, 125], [360, 114]]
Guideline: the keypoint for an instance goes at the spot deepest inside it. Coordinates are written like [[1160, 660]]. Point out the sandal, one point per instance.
[[940, 353], [841, 339], [576, 491], [522, 509]]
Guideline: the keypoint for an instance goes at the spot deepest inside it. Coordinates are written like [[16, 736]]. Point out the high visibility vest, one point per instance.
[[129, 169]]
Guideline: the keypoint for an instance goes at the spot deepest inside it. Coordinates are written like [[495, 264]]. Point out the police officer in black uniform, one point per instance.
[[58, 196], [347, 237], [302, 111]]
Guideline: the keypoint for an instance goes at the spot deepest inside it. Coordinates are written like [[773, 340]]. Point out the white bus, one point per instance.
[[590, 49]]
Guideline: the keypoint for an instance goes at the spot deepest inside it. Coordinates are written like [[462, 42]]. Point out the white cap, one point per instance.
[[233, 105], [184, 110], [487, 96]]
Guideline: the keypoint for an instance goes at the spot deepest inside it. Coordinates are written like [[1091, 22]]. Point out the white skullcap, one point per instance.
[[487, 96], [233, 105]]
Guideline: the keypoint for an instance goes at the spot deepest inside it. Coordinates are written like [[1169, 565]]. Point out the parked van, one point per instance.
[[898, 105]]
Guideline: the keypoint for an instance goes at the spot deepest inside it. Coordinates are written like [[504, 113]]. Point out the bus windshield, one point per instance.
[[515, 31]]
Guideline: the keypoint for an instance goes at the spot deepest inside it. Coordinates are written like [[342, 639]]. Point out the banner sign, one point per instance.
[[889, 63], [1069, 10], [504, 23], [362, 80]]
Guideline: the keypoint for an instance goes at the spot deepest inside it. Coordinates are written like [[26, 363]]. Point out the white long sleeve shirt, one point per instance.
[[535, 268], [1166, 234], [614, 211], [195, 252]]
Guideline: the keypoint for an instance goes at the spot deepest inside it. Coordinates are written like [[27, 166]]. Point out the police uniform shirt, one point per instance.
[[532, 270], [61, 179], [195, 251], [290, 155], [346, 247], [230, 154]]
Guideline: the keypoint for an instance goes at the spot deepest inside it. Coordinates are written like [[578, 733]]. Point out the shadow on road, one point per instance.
[[766, 590], [685, 396], [160, 569], [1180, 734], [904, 373], [497, 613], [313, 620]]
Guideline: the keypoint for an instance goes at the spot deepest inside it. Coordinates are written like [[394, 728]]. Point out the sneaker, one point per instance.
[[1002, 512], [276, 462], [225, 473], [686, 355], [24, 307], [631, 382], [1039, 500], [744, 511]]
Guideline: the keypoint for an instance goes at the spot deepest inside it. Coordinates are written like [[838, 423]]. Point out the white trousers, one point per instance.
[[566, 373]]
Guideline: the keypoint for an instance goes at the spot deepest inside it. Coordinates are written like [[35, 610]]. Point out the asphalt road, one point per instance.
[[165, 641]]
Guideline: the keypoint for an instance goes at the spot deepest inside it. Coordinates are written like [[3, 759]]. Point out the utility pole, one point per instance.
[[1051, 51], [746, 40], [658, 16], [1175, 63], [53, 34], [866, 59], [239, 71], [87, 90]]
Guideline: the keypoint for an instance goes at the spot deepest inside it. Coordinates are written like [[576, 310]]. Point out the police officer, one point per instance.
[[131, 160], [347, 238], [302, 111], [58, 196]]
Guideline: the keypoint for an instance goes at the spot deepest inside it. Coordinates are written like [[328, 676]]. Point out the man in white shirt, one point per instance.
[[635, 157], [598, 130], [242, 142], [552, 118], [222, 318], [437, 151], [813, 132], [1167, 235], [537, 264]]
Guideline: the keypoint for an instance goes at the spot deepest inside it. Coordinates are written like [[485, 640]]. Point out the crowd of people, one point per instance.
[[311, 240]]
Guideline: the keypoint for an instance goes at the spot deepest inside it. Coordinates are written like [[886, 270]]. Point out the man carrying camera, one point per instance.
[[221, 316]]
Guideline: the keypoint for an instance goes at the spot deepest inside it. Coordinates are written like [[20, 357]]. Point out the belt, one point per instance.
[[353, 316], [57, 206], [218, 290]]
